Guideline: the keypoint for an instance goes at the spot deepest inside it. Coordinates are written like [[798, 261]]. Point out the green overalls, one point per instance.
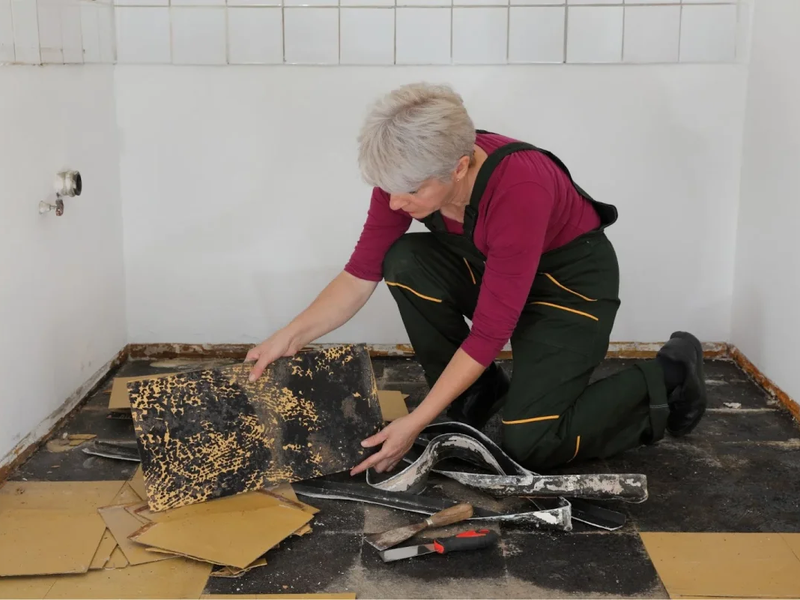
[[551, 415]]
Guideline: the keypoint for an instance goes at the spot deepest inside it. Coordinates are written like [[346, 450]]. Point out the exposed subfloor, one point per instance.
[[738, 472]]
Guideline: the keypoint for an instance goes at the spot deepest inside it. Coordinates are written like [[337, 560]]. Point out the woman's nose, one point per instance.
[[396, 202]]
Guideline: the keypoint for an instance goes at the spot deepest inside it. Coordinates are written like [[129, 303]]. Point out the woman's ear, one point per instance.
[[461, 168]]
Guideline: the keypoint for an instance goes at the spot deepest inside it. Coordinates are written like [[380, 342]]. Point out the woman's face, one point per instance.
[[427, 199], [433, 194]]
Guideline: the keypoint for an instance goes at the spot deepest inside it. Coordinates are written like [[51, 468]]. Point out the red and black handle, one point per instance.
[[467, 540]]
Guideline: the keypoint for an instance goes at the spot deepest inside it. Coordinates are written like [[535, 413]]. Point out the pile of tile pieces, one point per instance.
[[99, 539]]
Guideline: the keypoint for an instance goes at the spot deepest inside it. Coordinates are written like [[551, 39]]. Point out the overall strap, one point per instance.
[[482, 180], [608, 213]]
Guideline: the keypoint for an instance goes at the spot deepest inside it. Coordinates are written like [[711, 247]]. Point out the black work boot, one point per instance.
[[476, 405], [687, 401]]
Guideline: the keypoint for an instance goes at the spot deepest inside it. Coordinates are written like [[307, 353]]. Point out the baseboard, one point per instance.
[[28, 445], [623, 350], [764, 382]]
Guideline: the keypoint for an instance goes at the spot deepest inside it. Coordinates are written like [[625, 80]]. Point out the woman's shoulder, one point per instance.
[[489, 141]]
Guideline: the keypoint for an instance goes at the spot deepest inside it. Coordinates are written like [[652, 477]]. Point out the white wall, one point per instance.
[[242, 198], [766, 322], [62, 308]]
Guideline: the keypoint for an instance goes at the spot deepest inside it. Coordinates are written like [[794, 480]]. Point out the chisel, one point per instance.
[[448, 516], [467, 540]]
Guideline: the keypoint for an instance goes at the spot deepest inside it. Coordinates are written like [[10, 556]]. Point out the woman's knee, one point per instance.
[[519, 442], [403, 255], [531, 445]]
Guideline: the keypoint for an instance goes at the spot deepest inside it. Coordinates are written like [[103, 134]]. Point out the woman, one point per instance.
[[520, 250]]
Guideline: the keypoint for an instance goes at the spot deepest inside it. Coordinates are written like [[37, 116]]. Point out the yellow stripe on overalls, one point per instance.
[[577, 447], [572, 310], [466, 262], [565, 288], [533, 420], [415, 292]]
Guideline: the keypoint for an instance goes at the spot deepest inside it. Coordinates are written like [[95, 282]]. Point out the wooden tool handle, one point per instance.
[[448, 516]]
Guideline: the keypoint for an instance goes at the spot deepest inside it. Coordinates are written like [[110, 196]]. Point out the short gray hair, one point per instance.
[[416, 132]]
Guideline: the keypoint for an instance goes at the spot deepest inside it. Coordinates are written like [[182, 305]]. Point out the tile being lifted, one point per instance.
[[213, 433]]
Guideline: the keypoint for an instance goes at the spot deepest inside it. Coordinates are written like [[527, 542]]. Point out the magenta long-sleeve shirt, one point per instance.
[[529, 207]]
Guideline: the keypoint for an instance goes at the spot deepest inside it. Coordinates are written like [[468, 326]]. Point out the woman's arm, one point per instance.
[[398, 437], [341, 299], [515, 235]]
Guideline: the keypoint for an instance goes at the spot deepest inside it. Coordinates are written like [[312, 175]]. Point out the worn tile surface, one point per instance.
[[739, 472]]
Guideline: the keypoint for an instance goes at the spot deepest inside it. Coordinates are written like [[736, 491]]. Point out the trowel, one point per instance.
[[448, 516]]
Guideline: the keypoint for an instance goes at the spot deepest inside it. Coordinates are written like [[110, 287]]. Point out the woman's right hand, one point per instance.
[[281, 343]]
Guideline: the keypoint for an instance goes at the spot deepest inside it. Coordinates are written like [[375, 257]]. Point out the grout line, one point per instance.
[[680, 34], [394, 17], [38, 36], [283, 30], [566, 33], [171, 60], [451, 32], [97, 10], [624, 22], [508, 32], [13, 31]]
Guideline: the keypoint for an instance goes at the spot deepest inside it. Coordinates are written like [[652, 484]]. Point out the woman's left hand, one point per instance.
[[397, 438]]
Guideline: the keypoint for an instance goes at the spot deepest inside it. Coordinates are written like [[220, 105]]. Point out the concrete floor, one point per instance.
[[739, 472]]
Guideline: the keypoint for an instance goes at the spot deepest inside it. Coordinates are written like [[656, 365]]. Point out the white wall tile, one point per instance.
[[143, 35], [50, 44], [141, 2], [708, 33], [107, 34], [424, 3], [254, 2], [367, 36], [90, 32], [480, 2], [255, 35], [6, 32], [366, 3], [654, 1], [197, 2], [71, 34], [594, 34], [536, 34], [652, 34], [480, 35], [311, 35], [423, 36], [709, 1], [538, 2], [26, 31], [310, 2], [198, 36], [580, 2]]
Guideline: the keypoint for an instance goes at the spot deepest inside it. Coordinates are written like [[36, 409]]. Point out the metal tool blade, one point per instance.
[[387, 539], [406, 552]]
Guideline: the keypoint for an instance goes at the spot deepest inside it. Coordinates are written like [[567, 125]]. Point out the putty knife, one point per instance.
[[448, 516], [467, 540]]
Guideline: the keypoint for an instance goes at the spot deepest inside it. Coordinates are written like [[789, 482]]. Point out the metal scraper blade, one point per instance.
[[407, 552]]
